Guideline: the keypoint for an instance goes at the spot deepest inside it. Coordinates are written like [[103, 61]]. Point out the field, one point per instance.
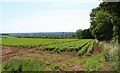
[[34, 54]]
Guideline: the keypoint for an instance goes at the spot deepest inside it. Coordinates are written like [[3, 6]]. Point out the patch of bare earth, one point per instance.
[[106, 66], [11, 52], [14, 52], [77, 66], [97, 49], [70, 53]]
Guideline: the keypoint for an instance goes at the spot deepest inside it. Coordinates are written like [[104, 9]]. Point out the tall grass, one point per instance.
[[112, 51]]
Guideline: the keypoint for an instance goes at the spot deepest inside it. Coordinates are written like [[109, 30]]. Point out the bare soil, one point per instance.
[[97, 49], [78, 67], [14, 52], [106, 66], [11, 52]]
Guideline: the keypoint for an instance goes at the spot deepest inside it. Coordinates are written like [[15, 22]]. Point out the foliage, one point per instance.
[[103, 26], [54, 66], [0, 67], [112, 49], [79, 33], [83, 49], [105, 21], [92, 65], [74, 45], [90, 49], [57, 45], [32, 42], [84, 34], [57, 62], [50, 35], [24, 65]]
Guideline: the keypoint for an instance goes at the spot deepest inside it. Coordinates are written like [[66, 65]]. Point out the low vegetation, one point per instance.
[[51, 61], [24, 64], [112, 53], [57, 45], [104, 19], [54, 62], [32, 42]]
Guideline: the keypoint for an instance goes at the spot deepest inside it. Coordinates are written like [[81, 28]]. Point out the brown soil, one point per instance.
[[70, 53], [13, 52], [97, 49], [77, 66], [106, 66]]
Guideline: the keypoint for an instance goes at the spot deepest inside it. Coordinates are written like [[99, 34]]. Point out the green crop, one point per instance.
[[89, 50], [32, 42], [57, 45], [83, 50]]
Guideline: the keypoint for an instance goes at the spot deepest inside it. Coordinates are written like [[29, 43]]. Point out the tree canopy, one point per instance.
[[84, 34], [104, 22]]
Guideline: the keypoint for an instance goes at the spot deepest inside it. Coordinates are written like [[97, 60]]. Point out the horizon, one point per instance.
[[34, 32], [46, 16]]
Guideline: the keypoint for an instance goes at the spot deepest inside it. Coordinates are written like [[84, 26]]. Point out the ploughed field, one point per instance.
[[35, 54]]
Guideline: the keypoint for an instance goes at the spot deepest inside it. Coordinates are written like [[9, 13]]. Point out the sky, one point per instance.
[[18, 16]]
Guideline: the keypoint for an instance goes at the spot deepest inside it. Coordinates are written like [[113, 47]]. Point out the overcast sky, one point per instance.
[[45, 15]]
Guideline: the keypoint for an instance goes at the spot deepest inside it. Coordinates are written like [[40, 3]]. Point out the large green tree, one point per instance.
[[103, 26], [105, 21]]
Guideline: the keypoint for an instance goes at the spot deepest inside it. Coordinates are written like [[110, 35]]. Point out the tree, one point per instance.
[[106, 18], [84, 34], [113, 9], [103, 26], [78, 34]]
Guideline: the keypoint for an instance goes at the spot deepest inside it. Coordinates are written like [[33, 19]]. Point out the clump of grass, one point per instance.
[[112, 49], [54, 67], [24, 65], [94, 63], [0, 67]]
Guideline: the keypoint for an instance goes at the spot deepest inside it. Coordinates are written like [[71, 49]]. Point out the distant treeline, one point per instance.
[[54, 35]]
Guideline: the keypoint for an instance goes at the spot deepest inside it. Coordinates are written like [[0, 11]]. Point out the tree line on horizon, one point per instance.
[[45, 35]]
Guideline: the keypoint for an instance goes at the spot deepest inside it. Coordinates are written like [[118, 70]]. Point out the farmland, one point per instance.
[[35, 54], [57, 45]]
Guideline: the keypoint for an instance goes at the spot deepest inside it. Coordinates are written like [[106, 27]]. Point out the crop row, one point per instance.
[[58, 45], [88, 48], [74, 45], [82, 46], [32, 42]]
